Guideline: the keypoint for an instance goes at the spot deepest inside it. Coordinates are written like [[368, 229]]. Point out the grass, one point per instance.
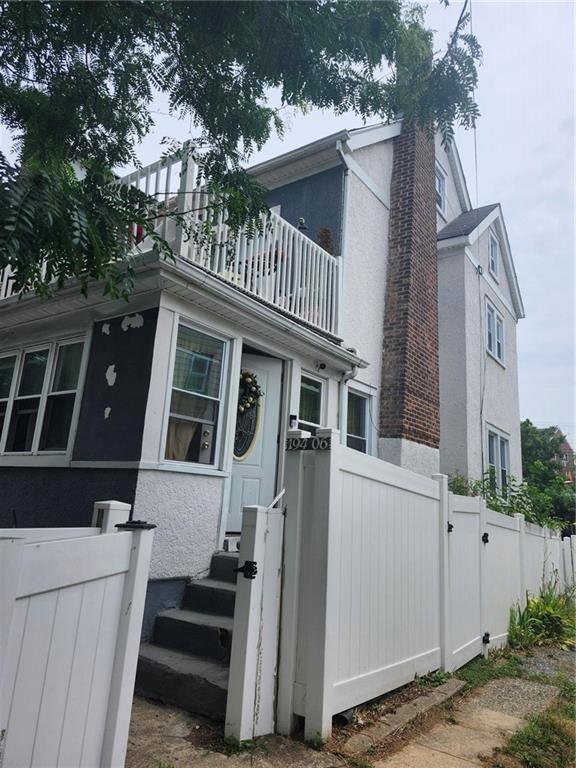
[[485, 668], [547, 741]]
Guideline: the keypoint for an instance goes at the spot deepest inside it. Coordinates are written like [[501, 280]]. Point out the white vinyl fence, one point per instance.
[[71, 605], [385, 575]]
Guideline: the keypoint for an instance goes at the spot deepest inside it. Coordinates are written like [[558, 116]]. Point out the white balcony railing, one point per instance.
[[278, 265]]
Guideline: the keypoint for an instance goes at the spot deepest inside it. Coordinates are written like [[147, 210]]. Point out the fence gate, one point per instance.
[[71, 605]]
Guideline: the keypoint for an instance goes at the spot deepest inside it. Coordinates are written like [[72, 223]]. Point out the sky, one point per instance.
[[525, 141]]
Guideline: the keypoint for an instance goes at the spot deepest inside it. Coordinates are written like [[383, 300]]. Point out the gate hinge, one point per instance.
[[450, 527], [249, 569], [485, 538], [486, 638]]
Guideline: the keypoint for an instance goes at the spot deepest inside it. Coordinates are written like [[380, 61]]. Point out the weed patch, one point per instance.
[[481, 670]]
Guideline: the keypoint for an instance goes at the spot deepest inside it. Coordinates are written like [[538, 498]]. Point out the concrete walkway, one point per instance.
[[480, 724]]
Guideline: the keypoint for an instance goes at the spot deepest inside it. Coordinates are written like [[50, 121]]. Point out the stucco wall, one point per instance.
[[59, 496], [186, 509], [453, 207], [491, 385], [365, 261], [453, 375]]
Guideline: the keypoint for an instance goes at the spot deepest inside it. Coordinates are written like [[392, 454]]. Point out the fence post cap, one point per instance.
[[112, 504], [328, 432], [298, 433]]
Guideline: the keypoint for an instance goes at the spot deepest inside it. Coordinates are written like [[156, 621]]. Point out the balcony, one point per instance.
[[278, 265]]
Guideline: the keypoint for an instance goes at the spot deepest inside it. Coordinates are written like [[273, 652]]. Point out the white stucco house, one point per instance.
[[479, 308], [376, 301]]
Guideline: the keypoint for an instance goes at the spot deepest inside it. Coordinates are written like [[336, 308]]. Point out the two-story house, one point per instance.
[[344, 312]]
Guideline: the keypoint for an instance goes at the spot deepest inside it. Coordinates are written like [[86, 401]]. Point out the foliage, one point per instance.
[[77, 80], [547, 618], [528, 500], [541, 467]]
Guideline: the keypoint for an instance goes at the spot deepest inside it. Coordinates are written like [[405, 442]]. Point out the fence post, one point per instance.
[[321, 590], [107, 514], [482, 561], [294, 481], [521, 524], [444, 518], [567, 562], [254, 654], [126, 656], [573, 557], [11, 551]]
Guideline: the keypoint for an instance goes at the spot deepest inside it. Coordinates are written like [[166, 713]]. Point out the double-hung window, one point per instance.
[[357, 422], [38, 389], [440, 190], [311, 404], [494, 332], [494, 256], [498, 459], [196, 397]]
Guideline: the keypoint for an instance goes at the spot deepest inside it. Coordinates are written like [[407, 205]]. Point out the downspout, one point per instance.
[[346, 377], [343, 249]]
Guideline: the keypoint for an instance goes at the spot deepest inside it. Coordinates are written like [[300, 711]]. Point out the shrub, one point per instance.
[[546, 618]]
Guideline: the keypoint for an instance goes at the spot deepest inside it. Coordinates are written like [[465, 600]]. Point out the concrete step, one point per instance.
[[194, 632], [194, 683], [222, 566], [210, 596]]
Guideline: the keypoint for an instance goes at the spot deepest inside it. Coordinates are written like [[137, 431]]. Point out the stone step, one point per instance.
[[222, 566], [194, 683], [194, 632], [210, 596]]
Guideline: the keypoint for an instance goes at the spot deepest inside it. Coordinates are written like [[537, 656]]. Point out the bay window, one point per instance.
[[38, 390], [196, 397]]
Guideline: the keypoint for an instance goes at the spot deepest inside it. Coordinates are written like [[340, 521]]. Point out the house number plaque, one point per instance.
[[308, 443]]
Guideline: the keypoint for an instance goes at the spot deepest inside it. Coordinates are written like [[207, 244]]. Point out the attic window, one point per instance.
[[440, 190], [494, 255]]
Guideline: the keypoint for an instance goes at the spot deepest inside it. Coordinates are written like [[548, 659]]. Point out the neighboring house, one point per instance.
[[332, 313], [479, 307]]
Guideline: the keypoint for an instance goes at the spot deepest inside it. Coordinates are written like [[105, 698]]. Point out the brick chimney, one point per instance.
[[410, 401]]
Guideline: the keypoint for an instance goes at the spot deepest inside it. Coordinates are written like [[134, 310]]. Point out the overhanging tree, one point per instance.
[[77, 80]]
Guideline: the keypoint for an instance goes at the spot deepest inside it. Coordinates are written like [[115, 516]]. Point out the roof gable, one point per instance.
[[465, 231]]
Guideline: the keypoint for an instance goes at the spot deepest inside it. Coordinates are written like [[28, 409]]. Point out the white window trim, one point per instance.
[[493, 239], [498, 317], [35, 456], [439, 172], [217, 467], [307, 375], [500, 436], [368, 396]]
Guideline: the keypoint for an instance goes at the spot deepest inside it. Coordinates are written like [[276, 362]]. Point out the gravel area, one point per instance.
[[515, 697], [550, 662]]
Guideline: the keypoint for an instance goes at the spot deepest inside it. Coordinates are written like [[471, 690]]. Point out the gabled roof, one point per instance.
[[466, 222], [465, 230]]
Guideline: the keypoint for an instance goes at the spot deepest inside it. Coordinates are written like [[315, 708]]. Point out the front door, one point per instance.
[[256, 439]]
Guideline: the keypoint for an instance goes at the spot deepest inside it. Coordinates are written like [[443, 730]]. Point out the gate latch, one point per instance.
[[249, 569], [485, 538], [450, 527], [486, 638]]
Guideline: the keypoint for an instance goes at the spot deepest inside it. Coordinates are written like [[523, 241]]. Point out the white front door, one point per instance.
[[256, 441]]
